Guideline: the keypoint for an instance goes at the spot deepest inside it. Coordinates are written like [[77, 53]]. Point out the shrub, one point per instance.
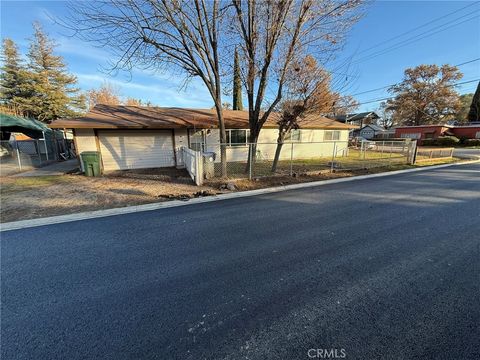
[[463, 139], [447, 141], [472, 142], [429, 142]]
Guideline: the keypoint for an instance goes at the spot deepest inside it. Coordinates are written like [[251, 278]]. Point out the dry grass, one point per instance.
[[35, 197]]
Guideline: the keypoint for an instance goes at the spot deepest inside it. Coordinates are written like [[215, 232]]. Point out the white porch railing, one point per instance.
[[193, 163]]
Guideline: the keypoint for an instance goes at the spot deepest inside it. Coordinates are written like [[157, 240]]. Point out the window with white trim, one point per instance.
[[196, 139], [293, 135], [331, 135], [237, 137], [477, 135]]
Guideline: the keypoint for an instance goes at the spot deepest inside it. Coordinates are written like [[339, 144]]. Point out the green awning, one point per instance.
[[30, 127]]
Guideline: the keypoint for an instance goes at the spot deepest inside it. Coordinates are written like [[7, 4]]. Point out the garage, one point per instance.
[[136, 149]]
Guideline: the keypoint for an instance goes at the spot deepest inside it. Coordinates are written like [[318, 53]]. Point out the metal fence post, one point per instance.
[[413, 151], [198, 168], [18, 155], [333, 156], [250, 159], [291, 160], [45, 145]]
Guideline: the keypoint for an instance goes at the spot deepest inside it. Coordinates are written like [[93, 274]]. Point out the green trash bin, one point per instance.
[[91, 163]]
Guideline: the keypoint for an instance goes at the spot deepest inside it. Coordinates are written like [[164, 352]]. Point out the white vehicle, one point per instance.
[[360, 142], [4, 152]]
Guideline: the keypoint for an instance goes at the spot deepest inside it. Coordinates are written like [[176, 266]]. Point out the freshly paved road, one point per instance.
[[385, 268], [467, 153]]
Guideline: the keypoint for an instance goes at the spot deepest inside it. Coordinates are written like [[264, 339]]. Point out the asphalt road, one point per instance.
[[385, 268], [467, 153]]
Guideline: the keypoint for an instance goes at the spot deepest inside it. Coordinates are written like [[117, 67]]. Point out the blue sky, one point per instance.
[[460, 42]]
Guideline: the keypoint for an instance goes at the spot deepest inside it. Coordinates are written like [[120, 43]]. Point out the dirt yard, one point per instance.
[[34, 197]]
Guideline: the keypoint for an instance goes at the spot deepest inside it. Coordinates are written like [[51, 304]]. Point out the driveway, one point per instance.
[[385, 268], [53, 169]]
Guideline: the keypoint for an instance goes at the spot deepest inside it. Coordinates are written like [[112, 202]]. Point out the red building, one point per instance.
[[468, 131], [423, 132]]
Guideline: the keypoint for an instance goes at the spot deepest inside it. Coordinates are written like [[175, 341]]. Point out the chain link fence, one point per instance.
[[426, 154], [249, 160], [22, 155]]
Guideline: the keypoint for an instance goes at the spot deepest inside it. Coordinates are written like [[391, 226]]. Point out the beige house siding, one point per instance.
[[136, 149], [312, 144], [85, 141], [130, 149]]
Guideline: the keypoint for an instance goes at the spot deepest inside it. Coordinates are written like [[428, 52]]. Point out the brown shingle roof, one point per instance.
[[142, 117]]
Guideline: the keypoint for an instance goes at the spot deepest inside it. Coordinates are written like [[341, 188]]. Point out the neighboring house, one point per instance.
[[371, 131], [358, 119], [130, 137], [471, 131], [423, 132]]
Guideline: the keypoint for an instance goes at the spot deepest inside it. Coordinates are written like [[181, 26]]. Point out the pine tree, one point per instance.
[[474, 113], [237, 84], [52, 88], [12, 75]]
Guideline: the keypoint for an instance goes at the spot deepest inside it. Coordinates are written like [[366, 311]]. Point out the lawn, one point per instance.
[[354, 160]]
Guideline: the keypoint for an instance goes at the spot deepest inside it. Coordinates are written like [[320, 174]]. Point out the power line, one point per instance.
[[417, 38], [467, 62], [387, 86], [391, 97], [416, 28]]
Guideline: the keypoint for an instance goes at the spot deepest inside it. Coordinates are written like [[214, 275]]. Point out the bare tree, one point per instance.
[[133, 102], [386, 119], [106, 94], [159, 34], [306, 93], [343, 105], [273, 34]]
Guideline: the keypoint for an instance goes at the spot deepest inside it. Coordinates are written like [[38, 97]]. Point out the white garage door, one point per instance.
[[136, 149]]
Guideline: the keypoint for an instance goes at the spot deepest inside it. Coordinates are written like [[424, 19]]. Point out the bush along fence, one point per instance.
[[247, 160]]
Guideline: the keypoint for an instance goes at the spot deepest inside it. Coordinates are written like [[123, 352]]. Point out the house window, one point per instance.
[[429, 135], [237, 137], [197, 139], [331, 135], [293, 135], [477, 135], [411, 136]]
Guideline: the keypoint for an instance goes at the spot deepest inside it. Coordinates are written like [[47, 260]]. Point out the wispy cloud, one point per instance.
[[161, 92]]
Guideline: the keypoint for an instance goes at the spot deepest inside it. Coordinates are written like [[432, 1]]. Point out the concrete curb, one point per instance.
[[15, 225]]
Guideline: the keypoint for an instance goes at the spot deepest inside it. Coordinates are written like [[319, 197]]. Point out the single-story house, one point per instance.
[[371, 131], [358, 119], [424, 132], [469, 131], [130, 137]]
